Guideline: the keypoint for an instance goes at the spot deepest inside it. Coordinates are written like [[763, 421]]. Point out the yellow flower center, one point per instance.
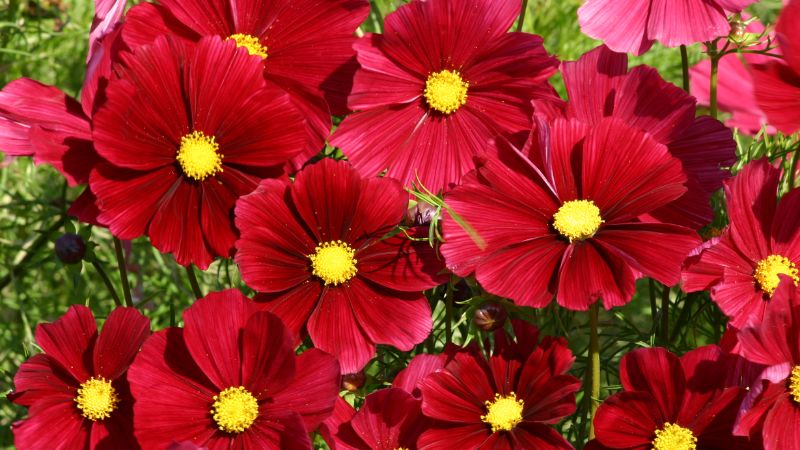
[[251, 43], [97, 399], [199, 156], [446, 91], [234, 409], [794, 384], [674, 437], [577, 219], [768, 269], [334, 262], [504, 413]]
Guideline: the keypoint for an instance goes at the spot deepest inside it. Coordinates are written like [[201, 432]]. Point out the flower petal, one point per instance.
[[620, 24], [334, 329], [628, 420], [314, 389], [267, 355], [70, 340], [122, 337], [657, 372], [686, 22]]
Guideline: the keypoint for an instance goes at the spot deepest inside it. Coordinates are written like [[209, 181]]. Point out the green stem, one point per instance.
[[448, 312], [665, 316], [793, 169], [40, 241], [522, 15], [193, 281], [107, 282], [593, 389], [713, 92], [685, 67], [123, 272]]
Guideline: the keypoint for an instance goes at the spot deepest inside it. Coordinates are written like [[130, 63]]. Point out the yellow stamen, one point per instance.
[[446, 91], [251, 43], [768, 269], [334, 262], [504, 413], [234, 409], [577, 219], [674, 437], [794, 384], [97, 398], [199, 156]]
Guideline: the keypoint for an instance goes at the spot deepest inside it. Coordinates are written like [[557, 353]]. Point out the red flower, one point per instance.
[[777, 83], [186, 130], [305, 46], [742, 266], [230, 379], [501, 402], [76, 391], [562, 219], [600, 85], [670, 403], [316, 247], [441, 81], [633, 25], [771, 409]]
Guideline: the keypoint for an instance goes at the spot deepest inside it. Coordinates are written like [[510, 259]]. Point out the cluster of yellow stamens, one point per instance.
[[674, 437], [577, 219], [199, 156], [768, 269], [333, 262], [234, 409], [446, 91], [794, 384], [504, 412], [97, 398], [251, 43]]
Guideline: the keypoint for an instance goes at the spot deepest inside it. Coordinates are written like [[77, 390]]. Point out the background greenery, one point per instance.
[[47, 40]]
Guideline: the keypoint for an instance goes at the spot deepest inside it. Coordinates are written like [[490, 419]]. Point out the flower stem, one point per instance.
[[685, 67], [793, 168], [665, 316], [522, 15], [448, 312], [107, 282], [123, 272], [193, 282], [713, 91], [593, 389]]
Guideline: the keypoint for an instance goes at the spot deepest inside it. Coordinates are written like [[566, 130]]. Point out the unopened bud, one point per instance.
[[70, 248], [420, 214], [353, 381], [490, 316]]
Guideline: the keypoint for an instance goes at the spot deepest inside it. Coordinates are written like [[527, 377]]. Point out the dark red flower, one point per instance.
[[599, 85], [315, 249], [772, 407], [306, 46], [186, 130], [77, 391], [230, 379], [671, 403], [742, 266], [563, 217], [777, 83], [501, 402], [442, 80]]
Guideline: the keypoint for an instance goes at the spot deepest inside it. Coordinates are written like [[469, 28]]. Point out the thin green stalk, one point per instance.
[[713, 92], [665, 315], [522, 15], [193, 282], [651, 284], [793, 168], [107, 282], [593, 389], [448, 312], [123, 272], [685, 67]]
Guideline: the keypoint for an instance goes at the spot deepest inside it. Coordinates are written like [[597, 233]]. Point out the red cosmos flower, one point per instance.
[[562, 219], [186, 130], [777, 83], [230, 379], [441, 81], [671, 403], [315, 246], [742, 266], [502, 402], [599, 85], [631, 26], [772, 409], [77, 391], [305, 46]]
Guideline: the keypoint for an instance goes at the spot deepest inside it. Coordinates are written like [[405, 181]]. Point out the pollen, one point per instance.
[[577, 219], [674, 437], [333, 262], [446, 91], [794, 384], [768, 269], [199, 156], [234, 409], [97, 398], [504, 413], [251, 43]]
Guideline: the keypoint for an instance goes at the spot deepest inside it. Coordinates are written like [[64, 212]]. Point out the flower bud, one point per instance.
[[420, 214], [353, 381], [70, 248], [490, 316]]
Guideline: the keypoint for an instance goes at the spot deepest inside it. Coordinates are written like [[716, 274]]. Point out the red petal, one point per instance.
[[738, 297], [206, 18], [529, 435], [381, 81], [777, 90], [782, 426], [272, 430], [686, 22], [418, 368], [704, 270], [334, 329], [267, 355], [123, 334], [52, 420], [144, 22], [591, 80], [42, 377], [785, 232], [401, 264], [588, 274], [786, 32], [628, 420], [657, 372], [459, 436], [704, 148], [314, 389], [775, 340], [751, 207], [621, 24], [386, 417], [70, 341], [293, 306], [218, 198], [458, 392]]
